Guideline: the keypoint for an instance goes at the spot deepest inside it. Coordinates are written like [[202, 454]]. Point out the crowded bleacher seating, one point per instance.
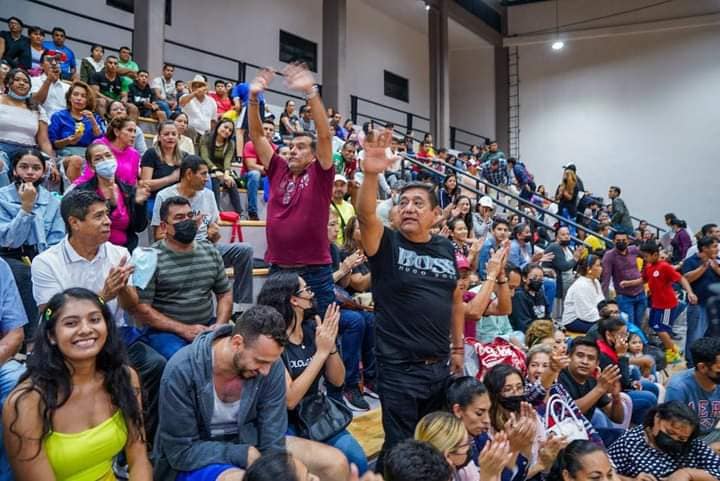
[[192, 289]]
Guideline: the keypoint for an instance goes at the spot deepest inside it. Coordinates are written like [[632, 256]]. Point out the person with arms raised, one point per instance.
[[418, 305], [301, 189]]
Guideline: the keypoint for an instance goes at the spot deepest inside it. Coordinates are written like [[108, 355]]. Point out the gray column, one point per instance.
[[439, 72], [149, 36], [502, 99], [334, 41]]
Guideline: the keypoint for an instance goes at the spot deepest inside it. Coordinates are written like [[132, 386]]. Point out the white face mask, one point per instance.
[[106, 168]]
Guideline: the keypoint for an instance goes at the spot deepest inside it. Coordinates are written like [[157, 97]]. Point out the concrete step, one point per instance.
[[261, 206], [147, 125]]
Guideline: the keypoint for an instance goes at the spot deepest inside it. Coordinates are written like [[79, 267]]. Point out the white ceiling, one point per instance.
[[412, 13]]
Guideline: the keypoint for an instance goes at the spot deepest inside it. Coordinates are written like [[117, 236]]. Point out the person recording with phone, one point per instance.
[[30, 222]]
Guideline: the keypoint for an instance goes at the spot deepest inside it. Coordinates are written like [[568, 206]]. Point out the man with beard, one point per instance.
[[223, 402], [177, 303], [699, 388], [30, 222]]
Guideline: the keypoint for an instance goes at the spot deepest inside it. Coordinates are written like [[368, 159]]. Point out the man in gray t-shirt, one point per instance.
[[193, 176], [699, 388]]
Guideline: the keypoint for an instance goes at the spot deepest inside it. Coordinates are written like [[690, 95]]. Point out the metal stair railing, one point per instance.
[[520, 200]]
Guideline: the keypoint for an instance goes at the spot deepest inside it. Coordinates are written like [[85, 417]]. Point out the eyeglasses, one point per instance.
[[302, 290]]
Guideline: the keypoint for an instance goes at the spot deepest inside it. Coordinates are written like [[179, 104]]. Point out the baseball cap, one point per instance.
[[341, 178], [571, 166], [486, 201]]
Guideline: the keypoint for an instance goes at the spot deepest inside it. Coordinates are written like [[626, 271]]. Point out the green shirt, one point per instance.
[[183, 283]]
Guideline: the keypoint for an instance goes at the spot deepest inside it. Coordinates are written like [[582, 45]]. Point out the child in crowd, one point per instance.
[[664, 305], [636, 349]]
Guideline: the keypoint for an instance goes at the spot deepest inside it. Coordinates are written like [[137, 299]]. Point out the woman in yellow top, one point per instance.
[[79, 400]]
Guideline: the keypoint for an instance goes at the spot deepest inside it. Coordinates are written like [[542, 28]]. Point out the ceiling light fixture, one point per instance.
[[557, 44], [427, 7]]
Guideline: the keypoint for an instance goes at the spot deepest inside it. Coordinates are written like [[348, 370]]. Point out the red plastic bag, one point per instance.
[[479, 358]]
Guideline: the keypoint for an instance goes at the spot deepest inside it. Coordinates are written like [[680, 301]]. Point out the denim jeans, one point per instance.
[[232, 192], [165, 343], [697, 327], [357, 341], [319, 279], [345, 442], [643, 401], [21, 273], [165, 107], [633, 306], [239, 255], [252, 182], [10, 372], [550, 290]]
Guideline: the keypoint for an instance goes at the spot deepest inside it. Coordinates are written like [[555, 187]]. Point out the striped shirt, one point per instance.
[[183, 282]]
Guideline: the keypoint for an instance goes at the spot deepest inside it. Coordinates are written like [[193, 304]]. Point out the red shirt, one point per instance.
[[297, 214], [223, 105], [249, 151], [660, 277]]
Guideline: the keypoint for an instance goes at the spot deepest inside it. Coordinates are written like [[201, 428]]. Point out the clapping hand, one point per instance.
[[117, 279], [609, 377], [494, 457], [550, 448], [327, 329]]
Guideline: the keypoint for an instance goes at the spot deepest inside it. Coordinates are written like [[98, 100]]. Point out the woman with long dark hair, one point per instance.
[[449, 191], [78, 404], [117, 109], [217, 149], [160, 165], [21, 124], [127, 202], [311, 352]]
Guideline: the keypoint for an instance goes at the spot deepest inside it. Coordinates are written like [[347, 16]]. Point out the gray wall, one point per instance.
[[639, 111]]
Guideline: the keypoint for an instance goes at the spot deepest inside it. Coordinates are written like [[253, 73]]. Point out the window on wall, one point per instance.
[[298, 49], [129, 6], [396, 87]]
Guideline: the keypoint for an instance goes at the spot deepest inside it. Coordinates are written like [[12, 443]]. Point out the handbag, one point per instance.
[[234, 218], [321, 417], [569, 426]]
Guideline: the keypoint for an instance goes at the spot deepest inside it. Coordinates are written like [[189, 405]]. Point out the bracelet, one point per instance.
[[491, 279], [313, 92], [499, 282], [253, 102], [334, 352]]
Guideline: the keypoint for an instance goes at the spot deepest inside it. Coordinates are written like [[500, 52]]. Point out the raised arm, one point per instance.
[[298, 77], [257, 134], [375, 163]]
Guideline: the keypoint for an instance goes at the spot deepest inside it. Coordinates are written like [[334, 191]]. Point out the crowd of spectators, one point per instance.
[[507, 335]]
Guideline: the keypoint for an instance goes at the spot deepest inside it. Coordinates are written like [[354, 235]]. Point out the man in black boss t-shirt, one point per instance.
[[418, 309]]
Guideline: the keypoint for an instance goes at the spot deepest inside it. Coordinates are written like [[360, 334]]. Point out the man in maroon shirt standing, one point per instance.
[[300, 189], [620, 265]]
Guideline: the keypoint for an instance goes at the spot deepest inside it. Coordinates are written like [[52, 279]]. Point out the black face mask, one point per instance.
[[621, 245], [535, 284], [669, 445], [511, 403], [311, 311], [185, 231]]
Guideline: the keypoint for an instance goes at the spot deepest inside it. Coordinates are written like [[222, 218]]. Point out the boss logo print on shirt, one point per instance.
[[409, 261]]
